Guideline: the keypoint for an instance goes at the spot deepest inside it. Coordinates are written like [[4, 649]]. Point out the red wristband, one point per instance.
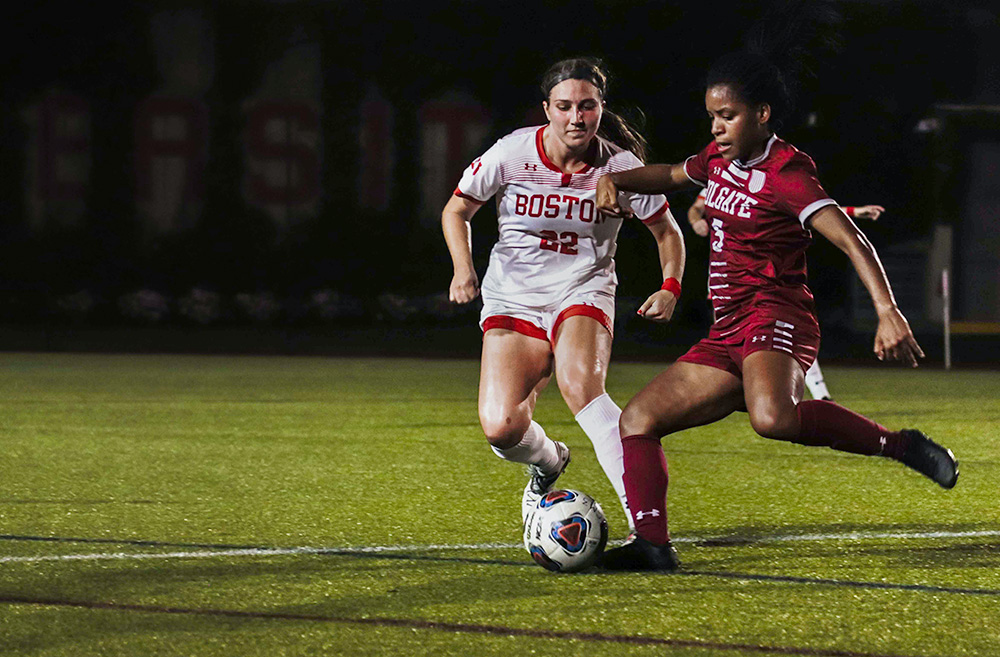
[[849, 211], [671, 285]]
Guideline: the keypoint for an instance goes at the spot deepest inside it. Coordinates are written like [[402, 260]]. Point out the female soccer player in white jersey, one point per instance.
[[549, 291], [764, 200]]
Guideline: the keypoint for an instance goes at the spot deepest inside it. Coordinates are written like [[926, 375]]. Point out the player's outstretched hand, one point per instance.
[[606, 198], [659, 307], [872, 212], [894, 340], [464, 287]]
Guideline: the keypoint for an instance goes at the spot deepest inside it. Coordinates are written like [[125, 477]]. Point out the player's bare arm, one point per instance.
[[650, 179], [696, 217], [456, 223], [893, 339], [659, 307], [872, 212]]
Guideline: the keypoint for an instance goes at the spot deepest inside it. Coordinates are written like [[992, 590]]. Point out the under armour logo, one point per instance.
[[759, 338], [639, 515], [881, 442], [530, 167]]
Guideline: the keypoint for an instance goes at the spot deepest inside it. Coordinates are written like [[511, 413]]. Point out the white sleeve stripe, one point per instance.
[[811, 209], [696, 182]]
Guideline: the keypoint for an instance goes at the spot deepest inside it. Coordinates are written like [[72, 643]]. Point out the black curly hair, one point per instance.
[[782, 46]]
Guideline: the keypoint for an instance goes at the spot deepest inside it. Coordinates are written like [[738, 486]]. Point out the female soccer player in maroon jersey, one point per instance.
[[814, 375], [763, 200]]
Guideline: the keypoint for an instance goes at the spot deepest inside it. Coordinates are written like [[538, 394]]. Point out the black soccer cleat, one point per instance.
[[641, 555], [930, 459]]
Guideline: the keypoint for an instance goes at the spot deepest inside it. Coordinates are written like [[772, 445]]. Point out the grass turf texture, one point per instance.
[[108, 458]]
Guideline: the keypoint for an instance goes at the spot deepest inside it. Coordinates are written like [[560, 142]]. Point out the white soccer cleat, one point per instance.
[[541, 482]]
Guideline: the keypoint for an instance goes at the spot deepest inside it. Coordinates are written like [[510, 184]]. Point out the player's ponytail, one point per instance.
[[619, 131], [613, 127], [780, 49]]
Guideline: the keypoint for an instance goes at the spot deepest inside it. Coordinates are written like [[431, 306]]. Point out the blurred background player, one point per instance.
[[763, 199], [814, 375], [549, 291]]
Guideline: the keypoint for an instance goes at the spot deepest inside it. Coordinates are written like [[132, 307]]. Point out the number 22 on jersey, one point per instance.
[[564, 242]]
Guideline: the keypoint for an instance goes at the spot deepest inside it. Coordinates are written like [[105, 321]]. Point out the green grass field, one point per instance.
[[189, 505]]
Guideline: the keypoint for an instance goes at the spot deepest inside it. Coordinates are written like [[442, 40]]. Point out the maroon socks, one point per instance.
[[824, 423], [646, 486]]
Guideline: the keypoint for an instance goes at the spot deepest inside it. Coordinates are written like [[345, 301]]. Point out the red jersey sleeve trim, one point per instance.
[[656, 216], [459, 192]]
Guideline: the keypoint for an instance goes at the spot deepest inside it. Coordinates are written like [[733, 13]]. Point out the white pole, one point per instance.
[[946, 311]]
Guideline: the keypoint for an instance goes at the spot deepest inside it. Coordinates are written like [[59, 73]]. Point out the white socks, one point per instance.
[[599, 420], [535, 448], [815, 383]]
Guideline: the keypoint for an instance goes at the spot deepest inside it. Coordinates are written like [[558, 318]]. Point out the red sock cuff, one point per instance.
[[642, 436]]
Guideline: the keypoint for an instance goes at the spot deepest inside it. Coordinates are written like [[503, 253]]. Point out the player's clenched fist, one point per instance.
[[464, 287], [659, 307], [606, 197]]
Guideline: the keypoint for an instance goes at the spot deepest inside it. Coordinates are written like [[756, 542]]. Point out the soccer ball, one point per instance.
[[566, 531]]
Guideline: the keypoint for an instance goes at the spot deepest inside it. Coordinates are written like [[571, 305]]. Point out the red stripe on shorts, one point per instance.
[[587, 311], [656, 216], [514, 324]]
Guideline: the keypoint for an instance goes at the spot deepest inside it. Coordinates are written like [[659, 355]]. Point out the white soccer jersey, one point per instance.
[[553, 242]]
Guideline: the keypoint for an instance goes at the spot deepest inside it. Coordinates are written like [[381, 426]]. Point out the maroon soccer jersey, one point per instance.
[[758, 213]]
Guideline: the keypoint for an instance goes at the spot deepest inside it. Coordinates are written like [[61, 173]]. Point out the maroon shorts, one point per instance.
[[788, 329]]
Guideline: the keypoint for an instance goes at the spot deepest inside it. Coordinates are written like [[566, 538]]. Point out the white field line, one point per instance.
[[269, 552]]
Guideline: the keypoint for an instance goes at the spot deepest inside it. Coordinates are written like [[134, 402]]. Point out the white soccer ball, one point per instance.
[[566, 531]]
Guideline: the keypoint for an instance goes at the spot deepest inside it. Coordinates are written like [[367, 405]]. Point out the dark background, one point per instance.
[[858, 118]]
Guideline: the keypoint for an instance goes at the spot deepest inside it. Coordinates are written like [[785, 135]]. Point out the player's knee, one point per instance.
[[636, 420], [503, 428], [774, 421], [579, 387]]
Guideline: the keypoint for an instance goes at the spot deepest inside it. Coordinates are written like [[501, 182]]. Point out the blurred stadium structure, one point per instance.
[[283, 164]]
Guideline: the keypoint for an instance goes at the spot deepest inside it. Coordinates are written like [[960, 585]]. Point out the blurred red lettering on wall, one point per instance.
[[63, 148], [173, 130], [283, 153]]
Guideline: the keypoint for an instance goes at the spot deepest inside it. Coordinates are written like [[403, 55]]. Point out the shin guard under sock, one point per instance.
[[646, 486], [824, 423]]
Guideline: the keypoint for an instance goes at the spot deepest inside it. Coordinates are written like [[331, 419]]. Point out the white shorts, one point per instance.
[[543, 323]]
